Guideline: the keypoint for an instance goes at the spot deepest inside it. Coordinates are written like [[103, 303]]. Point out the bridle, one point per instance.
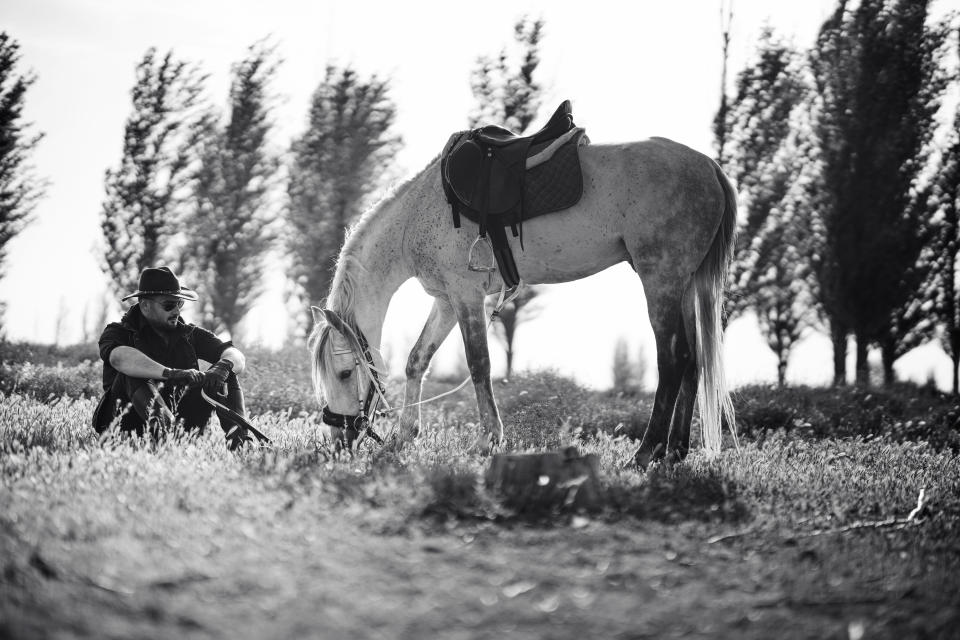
[[360, 423]]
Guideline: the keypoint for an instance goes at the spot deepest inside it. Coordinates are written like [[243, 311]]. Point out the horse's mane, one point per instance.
[[343, 290], [341, 301]]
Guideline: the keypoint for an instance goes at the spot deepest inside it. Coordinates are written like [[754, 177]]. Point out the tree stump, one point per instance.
[[537, 482]]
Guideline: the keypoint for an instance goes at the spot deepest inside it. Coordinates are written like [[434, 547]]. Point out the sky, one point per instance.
[[631, 69]]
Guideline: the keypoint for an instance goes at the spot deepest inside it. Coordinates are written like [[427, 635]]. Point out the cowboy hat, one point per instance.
[[160, 282]]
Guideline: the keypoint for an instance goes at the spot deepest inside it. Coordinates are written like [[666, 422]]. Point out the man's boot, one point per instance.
[[235, 434]]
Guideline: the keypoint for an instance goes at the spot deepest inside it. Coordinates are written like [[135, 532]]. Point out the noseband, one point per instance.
[[361, 422]]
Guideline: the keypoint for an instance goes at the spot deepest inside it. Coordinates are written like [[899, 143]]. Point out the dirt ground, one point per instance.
[[271, 566]]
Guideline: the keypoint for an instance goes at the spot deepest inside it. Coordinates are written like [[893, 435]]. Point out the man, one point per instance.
[[151, 375]]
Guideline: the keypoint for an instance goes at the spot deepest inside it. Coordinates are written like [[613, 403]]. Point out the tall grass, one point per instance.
[[130, 529], [779, 479]]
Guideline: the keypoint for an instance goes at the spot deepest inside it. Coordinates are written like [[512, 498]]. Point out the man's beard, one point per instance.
[[165, 327]]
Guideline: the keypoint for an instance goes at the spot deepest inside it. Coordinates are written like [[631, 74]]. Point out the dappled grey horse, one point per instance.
[[667, 210]]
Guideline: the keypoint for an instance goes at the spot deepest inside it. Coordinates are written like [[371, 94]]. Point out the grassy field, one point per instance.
[[802, 532]]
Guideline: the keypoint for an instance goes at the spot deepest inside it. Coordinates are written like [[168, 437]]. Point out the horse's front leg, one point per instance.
[[438, 326], [473, 327]]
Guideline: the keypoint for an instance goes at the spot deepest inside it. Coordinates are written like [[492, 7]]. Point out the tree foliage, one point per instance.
[[19, 187], [145, 195], [946, 260], [336, 163], [879, 81], [768, 145], [505, 90], [230, 228]]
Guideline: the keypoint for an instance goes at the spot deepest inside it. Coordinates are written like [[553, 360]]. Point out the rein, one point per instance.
[[362, 422]]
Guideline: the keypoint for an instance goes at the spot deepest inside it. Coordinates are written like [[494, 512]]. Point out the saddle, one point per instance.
[[497, 179]]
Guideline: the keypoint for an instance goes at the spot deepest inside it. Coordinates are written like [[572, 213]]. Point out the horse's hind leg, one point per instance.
[[435, 330], [679, 442], [673, 358]]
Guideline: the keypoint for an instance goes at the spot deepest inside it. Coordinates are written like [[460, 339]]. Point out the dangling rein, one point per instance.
[[366, 365]]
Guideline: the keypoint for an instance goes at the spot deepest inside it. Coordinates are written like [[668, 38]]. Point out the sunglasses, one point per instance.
[[170, 305]]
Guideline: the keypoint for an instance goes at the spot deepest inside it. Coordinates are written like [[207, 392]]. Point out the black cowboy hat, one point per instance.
[[160, 282]]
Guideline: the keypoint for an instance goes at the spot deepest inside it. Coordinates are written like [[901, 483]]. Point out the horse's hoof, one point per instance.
[[645, 456]]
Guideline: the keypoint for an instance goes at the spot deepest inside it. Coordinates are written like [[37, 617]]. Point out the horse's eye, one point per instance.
[[345, 374]]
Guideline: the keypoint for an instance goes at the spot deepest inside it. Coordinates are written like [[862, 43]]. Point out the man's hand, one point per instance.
[[216, 376], [188, 377]]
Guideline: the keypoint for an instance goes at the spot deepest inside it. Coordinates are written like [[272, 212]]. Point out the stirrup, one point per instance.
[[472, 260]]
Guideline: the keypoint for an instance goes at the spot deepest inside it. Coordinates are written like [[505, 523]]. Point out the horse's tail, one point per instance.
[[708, 284]]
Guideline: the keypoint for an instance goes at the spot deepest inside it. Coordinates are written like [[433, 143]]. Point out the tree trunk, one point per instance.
[[888, 352], [863, 367], [782, 368], [955, 356], [838, 336], [956, 366]]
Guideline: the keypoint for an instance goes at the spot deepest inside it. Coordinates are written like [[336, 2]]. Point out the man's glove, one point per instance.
[[188, 377], [216, 376]]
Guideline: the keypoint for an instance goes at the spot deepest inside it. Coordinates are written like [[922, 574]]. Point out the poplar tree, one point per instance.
[[879, 82], [146, 193], [946, 261], [231, 227], [19, 187], [336, 163], [767, 142]]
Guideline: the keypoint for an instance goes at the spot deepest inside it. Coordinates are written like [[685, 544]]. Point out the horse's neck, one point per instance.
[[377, 266]]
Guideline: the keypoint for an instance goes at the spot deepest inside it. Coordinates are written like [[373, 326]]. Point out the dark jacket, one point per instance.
[[187, 344]]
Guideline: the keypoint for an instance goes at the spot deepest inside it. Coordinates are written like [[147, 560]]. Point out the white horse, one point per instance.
[[667, 210]]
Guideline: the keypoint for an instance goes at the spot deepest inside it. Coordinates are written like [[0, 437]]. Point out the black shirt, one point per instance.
[[180, 351]]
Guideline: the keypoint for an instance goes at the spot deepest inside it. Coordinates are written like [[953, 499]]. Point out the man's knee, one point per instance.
[[132, 403]]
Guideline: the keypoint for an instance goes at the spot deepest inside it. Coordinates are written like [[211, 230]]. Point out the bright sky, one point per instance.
[[632, 70]]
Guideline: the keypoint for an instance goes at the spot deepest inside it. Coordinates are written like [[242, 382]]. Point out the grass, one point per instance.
[[792, 535]]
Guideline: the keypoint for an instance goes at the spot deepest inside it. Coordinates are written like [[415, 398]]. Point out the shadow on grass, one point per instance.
[[677, 493], [667, 494]]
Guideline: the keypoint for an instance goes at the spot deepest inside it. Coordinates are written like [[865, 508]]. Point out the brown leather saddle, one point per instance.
[[498, 179]]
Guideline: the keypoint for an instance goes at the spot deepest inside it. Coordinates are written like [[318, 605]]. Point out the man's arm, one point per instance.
[[236, 358], [134, 363]]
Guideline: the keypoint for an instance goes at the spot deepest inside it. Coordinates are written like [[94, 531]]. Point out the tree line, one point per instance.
[[209, 191], [847, 168], [846, 160]]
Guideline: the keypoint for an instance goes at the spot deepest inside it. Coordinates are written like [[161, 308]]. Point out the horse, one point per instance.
[[666, 209]]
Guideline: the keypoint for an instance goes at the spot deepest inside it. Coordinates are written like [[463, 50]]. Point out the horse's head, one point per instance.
[[345, 378]]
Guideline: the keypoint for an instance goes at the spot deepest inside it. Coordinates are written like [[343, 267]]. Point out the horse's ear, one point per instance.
[[331, 318], [317, 314]]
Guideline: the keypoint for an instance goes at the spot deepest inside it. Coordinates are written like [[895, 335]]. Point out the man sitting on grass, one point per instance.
[[151, 375]]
